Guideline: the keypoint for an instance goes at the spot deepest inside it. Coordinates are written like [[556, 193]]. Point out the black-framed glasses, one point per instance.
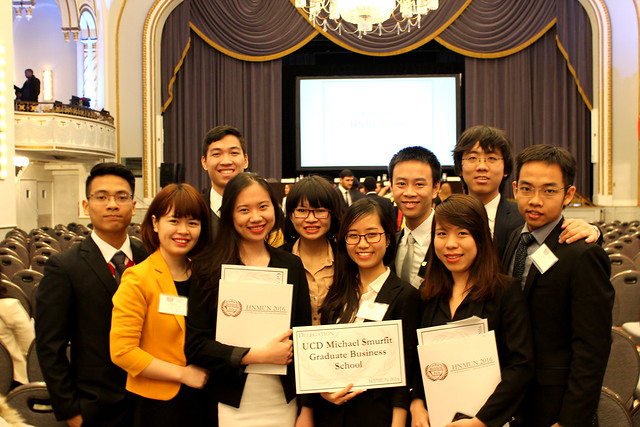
[[472, 160], [320, 213], [370, 238], [546, 192], [102, 197]]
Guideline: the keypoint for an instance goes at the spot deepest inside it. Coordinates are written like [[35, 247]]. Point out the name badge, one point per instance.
[[372, 310], [173, 304], [543, 258]]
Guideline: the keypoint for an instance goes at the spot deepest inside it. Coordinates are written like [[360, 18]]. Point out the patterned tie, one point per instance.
[[526, 239], [118, 261], [407, 262]]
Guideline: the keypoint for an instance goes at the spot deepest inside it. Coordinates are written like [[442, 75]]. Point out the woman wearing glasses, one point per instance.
[[462, 280], [149, 311], [365, 246], [313, 212], [248, 213]]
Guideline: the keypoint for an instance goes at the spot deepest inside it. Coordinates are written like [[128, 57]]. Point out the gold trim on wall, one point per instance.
[[117, 118]]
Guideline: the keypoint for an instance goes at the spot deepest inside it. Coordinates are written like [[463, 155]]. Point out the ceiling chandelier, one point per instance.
[[24, 8], [368, 15]]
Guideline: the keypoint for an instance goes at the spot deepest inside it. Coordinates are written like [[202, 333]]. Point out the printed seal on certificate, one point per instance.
[[436, 371], [231, 307]]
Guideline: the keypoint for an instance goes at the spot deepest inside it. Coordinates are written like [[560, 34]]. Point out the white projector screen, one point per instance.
[[362, 122]]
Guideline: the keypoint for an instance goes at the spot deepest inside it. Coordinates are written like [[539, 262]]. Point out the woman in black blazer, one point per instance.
[[365, 246], [463, 279], [248, 213]]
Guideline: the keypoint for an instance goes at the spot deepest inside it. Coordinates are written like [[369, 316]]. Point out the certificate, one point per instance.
[[367, 355], [244, 273], [452, 330], [458, 375], [252, 314]]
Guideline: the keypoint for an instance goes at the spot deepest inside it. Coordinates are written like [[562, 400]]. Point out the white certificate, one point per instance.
[[251, 315], [452, 330], [244, 273], [367, 355], [458, 375]]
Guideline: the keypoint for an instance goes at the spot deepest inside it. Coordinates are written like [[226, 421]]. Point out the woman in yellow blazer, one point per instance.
[[149, 310]]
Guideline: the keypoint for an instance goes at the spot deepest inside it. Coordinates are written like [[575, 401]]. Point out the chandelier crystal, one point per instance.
[[368, 15]]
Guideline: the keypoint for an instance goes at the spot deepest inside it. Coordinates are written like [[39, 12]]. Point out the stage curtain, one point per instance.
[[228, 72]]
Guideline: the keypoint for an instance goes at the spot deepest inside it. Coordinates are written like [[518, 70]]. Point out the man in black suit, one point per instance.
[[568, 292], [345, 188], [74, 307], [224, 155], [30, 90], [483, 159], [369, 184]]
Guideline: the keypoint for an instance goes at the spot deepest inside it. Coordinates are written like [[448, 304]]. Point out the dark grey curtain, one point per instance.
[[528, 71], [534, 99]]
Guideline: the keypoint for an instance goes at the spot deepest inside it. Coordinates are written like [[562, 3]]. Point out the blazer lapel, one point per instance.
[[92, 256], [511, 247], [165, 281], [388, 293], [552, 243]]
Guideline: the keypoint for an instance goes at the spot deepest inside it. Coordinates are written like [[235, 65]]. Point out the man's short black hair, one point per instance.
[[551, 155], [490, 139], [28, 69], [110, 168], [219, 132], [369, 184], [345, 173], [419, 154]]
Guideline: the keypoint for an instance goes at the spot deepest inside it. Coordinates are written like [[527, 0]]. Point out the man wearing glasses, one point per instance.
[[568, 292], [74, 307], [483, 159]]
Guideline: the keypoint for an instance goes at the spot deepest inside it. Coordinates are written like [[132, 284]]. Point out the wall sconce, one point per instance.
[[47, 85], [3, 115]]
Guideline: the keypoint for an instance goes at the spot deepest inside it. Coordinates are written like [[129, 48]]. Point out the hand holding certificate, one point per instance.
[[252, 313], [367, 355]]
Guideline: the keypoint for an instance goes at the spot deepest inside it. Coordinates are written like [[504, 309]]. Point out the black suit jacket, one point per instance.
[[508, 219], [375, 407], [74, 306], [355, 196], [570, 308], [506, 314], [227, 377], [213, 218], [386, 205]]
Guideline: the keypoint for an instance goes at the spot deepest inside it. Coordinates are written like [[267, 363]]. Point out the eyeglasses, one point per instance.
[[102, 197], [320, 213], [472, 160], [546, 192], [370, 238]]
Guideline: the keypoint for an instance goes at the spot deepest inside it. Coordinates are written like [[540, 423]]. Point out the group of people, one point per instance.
[[146, 324]]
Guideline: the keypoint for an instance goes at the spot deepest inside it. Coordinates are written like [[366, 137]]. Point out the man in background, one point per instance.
[[30, 88], [345, 188], [369, 185]]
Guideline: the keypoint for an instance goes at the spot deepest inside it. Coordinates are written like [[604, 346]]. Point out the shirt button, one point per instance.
[[315, 298]]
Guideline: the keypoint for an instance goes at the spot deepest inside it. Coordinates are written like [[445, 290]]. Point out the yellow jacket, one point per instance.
[[140, 333]]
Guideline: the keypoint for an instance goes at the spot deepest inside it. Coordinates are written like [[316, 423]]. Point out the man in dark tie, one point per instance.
[[345, 188], [74, 307], [224, 155], [567, 289]]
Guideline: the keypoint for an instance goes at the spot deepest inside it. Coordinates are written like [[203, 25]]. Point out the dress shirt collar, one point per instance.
[[543, 232], [215, 201], [108, 251], [492, 211], [376, 285], [421, 233]]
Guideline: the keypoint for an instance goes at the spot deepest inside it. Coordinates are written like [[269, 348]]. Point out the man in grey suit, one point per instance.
[[73, 307]]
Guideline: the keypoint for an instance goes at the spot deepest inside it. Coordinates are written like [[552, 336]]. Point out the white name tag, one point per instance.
[[372, 310], [543, 258], [173, 304]]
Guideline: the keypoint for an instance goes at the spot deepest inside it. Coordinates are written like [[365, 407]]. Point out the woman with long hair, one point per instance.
[[463, 279], [313, 212], [248, 213], [149, 310], [365, 247]]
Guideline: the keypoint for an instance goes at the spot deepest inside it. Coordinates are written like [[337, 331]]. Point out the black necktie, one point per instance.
[[118, 261], [526, 239]]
